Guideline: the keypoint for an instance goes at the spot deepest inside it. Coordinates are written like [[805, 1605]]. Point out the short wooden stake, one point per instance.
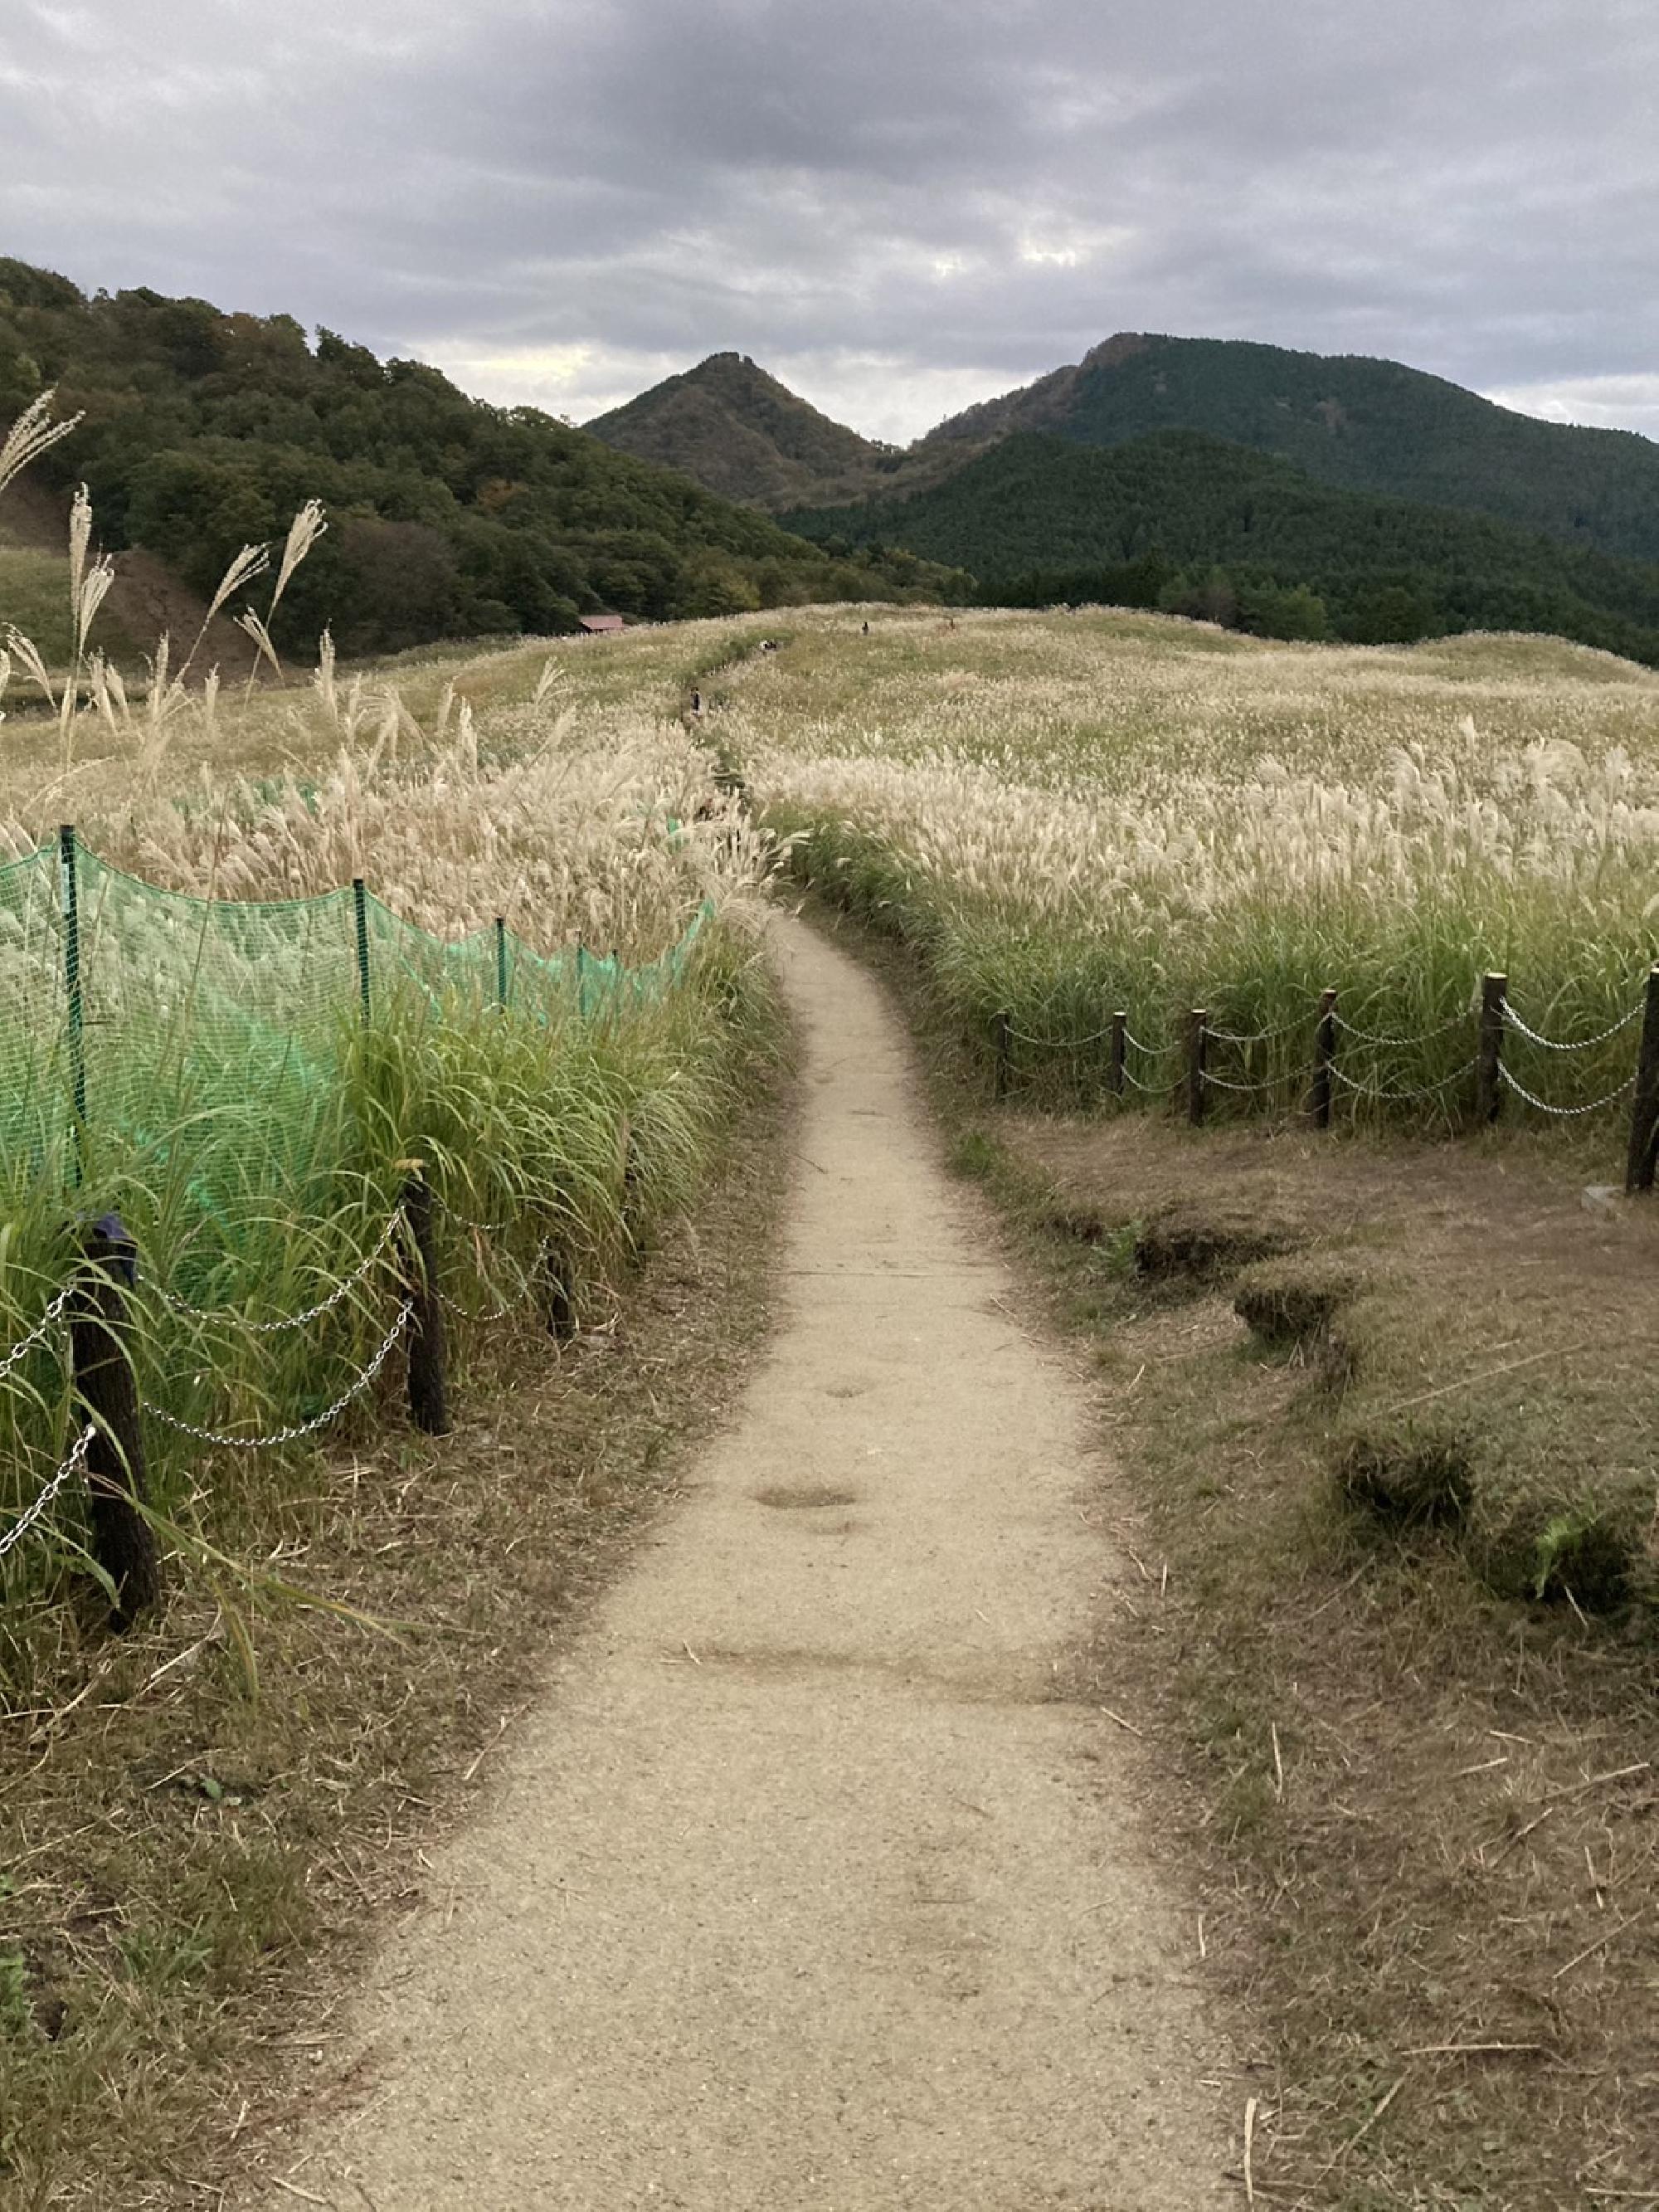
[[1320, 1093], [1198, 1030], [1002, 1027], [1489, 1050], [557, 1282], [428, 1350], [1644, 1110], [631, 1211], [1120, 1054], [107, 1395]]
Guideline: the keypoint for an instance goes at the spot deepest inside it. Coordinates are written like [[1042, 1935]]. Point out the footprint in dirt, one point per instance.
[[809, 1496]]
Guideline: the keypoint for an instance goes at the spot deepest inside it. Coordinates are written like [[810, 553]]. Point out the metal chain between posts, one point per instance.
[[48, 1497], [1563, 1112], [1060, 1044], [1152, 1051], [297, 1320], [1148, 1089], [1423, 1091], [301, 1428], [1583, 1044], [481, 1228], [1425, 1036], [1268, 1083], [40, 1333], [1258, 1036], [467, 1313]]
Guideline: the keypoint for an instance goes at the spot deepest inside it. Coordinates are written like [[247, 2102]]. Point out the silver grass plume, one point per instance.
[[30, 435]]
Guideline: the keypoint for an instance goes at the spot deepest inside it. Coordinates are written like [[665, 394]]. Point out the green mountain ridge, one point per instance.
[[1184, 520], [205, 430], [1363, 423], [1360, 424]]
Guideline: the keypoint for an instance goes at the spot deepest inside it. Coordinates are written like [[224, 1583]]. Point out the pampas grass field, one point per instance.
[[247, 1125], [1072, 814]]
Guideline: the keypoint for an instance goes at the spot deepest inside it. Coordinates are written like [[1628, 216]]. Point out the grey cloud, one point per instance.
[[562, 198]]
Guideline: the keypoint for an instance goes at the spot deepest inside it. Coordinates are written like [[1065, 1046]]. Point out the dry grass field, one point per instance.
[[196, 1811], [1382, 1389], [1077, 814]]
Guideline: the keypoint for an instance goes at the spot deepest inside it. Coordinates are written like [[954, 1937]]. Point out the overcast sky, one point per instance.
[[898, 206]]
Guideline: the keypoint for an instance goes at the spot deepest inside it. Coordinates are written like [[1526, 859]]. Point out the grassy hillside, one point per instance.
[[34, 598], [1192, 524], [206, 430], [145, 600], [1368, 425]]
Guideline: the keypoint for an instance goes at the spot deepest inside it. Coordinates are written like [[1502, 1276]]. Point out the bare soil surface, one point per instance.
[[1421, 1815], [145, 600], [811, 1881]]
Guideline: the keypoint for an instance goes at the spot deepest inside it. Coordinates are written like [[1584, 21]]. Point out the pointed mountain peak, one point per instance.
[[737, 429]]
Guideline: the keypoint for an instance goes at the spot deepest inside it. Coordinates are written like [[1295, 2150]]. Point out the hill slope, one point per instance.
[[1178, 519], [1368, 425], [448, 518], [741, 433], [146, 598]]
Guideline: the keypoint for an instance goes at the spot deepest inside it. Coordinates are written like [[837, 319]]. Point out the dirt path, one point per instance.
[[803, 1889]]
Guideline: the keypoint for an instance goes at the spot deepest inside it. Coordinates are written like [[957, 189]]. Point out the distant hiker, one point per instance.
[[866, 630], [696, 703]]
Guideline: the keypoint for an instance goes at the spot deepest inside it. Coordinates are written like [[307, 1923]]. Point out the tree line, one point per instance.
[[1189, 523], [449, 517]]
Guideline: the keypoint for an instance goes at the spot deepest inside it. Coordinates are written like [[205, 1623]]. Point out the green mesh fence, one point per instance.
[[139, 1027], [35, 1080]]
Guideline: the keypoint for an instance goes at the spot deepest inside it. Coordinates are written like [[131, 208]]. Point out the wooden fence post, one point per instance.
[[1645, 1108], [107, 1393], [1320, 1096], [429, 1350], [1120, 1054], [556, 1282], [1198, 1029], [629, 1212], [1002, 1027], [1489, 1051]]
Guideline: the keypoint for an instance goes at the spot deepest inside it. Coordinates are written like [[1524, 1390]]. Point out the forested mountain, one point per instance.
[[745, 435], [1368, 425], [1186, 521], [205, 430]]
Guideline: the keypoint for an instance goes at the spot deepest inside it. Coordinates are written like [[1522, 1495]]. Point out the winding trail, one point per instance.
[[805, 1887]]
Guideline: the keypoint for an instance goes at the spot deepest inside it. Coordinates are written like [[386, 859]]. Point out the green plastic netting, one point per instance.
[[157, 1021]]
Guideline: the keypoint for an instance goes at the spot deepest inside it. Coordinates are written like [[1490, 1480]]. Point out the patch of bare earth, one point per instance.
[[1388, 1408], [146, 601]]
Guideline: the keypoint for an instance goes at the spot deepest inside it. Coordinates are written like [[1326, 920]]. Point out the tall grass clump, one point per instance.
[[565, 1006], [1070, 818]]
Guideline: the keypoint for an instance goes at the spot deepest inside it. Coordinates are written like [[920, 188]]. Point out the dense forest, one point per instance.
[[1189, 523], [1366, 425], [204, 431]]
